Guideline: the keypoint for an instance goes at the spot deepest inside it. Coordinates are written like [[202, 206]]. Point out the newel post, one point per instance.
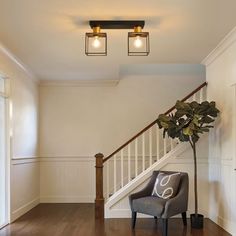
[[99, 201]]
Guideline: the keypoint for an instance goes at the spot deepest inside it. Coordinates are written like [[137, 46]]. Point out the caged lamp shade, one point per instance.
[[96, 43], [138, 42]]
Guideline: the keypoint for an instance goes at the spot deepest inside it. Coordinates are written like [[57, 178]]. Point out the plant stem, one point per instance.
[[195, 178]]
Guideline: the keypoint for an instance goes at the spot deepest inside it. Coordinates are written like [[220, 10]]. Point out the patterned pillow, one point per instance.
[[166, 185]]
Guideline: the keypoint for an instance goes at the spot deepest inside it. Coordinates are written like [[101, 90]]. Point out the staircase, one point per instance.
[[132, 164]]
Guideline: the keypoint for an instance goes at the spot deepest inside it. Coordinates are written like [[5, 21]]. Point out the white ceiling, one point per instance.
[[48, 35]]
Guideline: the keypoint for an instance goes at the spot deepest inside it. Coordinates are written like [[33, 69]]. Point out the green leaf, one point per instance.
[[188, 131], [207, 119], [195, 138], [182, 106], [189, 120]]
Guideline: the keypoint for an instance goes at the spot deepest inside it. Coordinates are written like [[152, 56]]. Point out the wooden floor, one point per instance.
[[78, 220]]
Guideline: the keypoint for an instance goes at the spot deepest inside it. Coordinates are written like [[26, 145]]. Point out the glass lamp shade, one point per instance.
[[138, 44], [96, 44]]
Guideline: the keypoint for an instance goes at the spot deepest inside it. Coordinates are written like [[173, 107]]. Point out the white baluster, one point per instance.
[[194, 97], [136, 157], [143, 150], [129, 166], [122, 167], [157, 134], [114, 173], [150, 147], [108, 177], [165, 146]]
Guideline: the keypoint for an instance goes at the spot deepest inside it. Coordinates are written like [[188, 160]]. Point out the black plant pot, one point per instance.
[[197, 221]]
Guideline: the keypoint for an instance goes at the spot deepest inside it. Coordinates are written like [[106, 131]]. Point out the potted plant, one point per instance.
[[190, 120]]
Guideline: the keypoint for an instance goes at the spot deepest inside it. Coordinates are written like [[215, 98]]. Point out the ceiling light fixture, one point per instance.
[[96, 42], [138, 41]]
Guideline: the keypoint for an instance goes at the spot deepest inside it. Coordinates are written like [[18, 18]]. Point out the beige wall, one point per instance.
[[221, 78], [77, 122], [81, 121], [24, 135]]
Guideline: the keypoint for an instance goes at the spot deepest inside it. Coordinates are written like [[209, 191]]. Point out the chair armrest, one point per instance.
[[179, 203]]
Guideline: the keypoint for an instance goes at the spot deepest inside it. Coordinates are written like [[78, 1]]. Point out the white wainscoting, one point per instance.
[[24, 185], [221, 182], [67, 179]]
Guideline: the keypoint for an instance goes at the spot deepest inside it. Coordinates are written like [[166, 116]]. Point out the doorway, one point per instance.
[[3, 153]]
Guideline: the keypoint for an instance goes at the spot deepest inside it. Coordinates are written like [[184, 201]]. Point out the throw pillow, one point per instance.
[[166, 185]]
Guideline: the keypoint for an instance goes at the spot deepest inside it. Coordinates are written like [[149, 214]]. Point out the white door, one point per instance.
[[3, 155]]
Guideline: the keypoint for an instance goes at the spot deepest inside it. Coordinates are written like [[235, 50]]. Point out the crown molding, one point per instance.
[[18, 62], [227, 41], [79, 83]]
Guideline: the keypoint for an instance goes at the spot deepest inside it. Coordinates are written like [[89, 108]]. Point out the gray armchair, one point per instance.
[[144, 202]]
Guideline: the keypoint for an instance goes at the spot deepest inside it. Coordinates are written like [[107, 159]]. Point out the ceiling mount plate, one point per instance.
[[116, 24]]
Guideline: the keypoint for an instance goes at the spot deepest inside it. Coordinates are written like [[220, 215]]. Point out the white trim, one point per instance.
[[79, 83], [227, 225], [7, 148], [24, 161], [6, 92], [4, 225], [67, 199], [24, 157], [3, 95], [67, 159], [8, 163], [33, 159], [18, 62], [23, 209], [4, 76], [228, 40]]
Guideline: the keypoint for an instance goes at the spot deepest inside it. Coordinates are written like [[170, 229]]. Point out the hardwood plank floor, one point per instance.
[[78, 220]]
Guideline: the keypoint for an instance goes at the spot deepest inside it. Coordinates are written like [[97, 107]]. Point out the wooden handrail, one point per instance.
[[151, 124]]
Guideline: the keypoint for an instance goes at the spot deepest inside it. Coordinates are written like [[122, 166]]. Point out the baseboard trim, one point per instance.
[[227, 225], [66, 199], [24, 209]]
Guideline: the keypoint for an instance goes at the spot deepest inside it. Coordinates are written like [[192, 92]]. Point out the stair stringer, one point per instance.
[[142, 177]]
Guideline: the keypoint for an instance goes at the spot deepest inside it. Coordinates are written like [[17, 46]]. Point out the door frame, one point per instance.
[[8, 117], [234, 159]]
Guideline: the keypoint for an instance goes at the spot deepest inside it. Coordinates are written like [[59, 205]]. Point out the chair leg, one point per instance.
[[184, 217], [134, 215], [165, 227]]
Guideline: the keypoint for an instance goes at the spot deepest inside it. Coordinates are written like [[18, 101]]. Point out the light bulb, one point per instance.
[[138, 42], [96, 42]]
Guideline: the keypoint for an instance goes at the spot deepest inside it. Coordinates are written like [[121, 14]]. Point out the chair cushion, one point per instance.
[[149, 205], [166, 185]]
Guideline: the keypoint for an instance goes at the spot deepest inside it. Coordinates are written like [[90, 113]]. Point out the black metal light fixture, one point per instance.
[[96, 42], [138, 42]]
